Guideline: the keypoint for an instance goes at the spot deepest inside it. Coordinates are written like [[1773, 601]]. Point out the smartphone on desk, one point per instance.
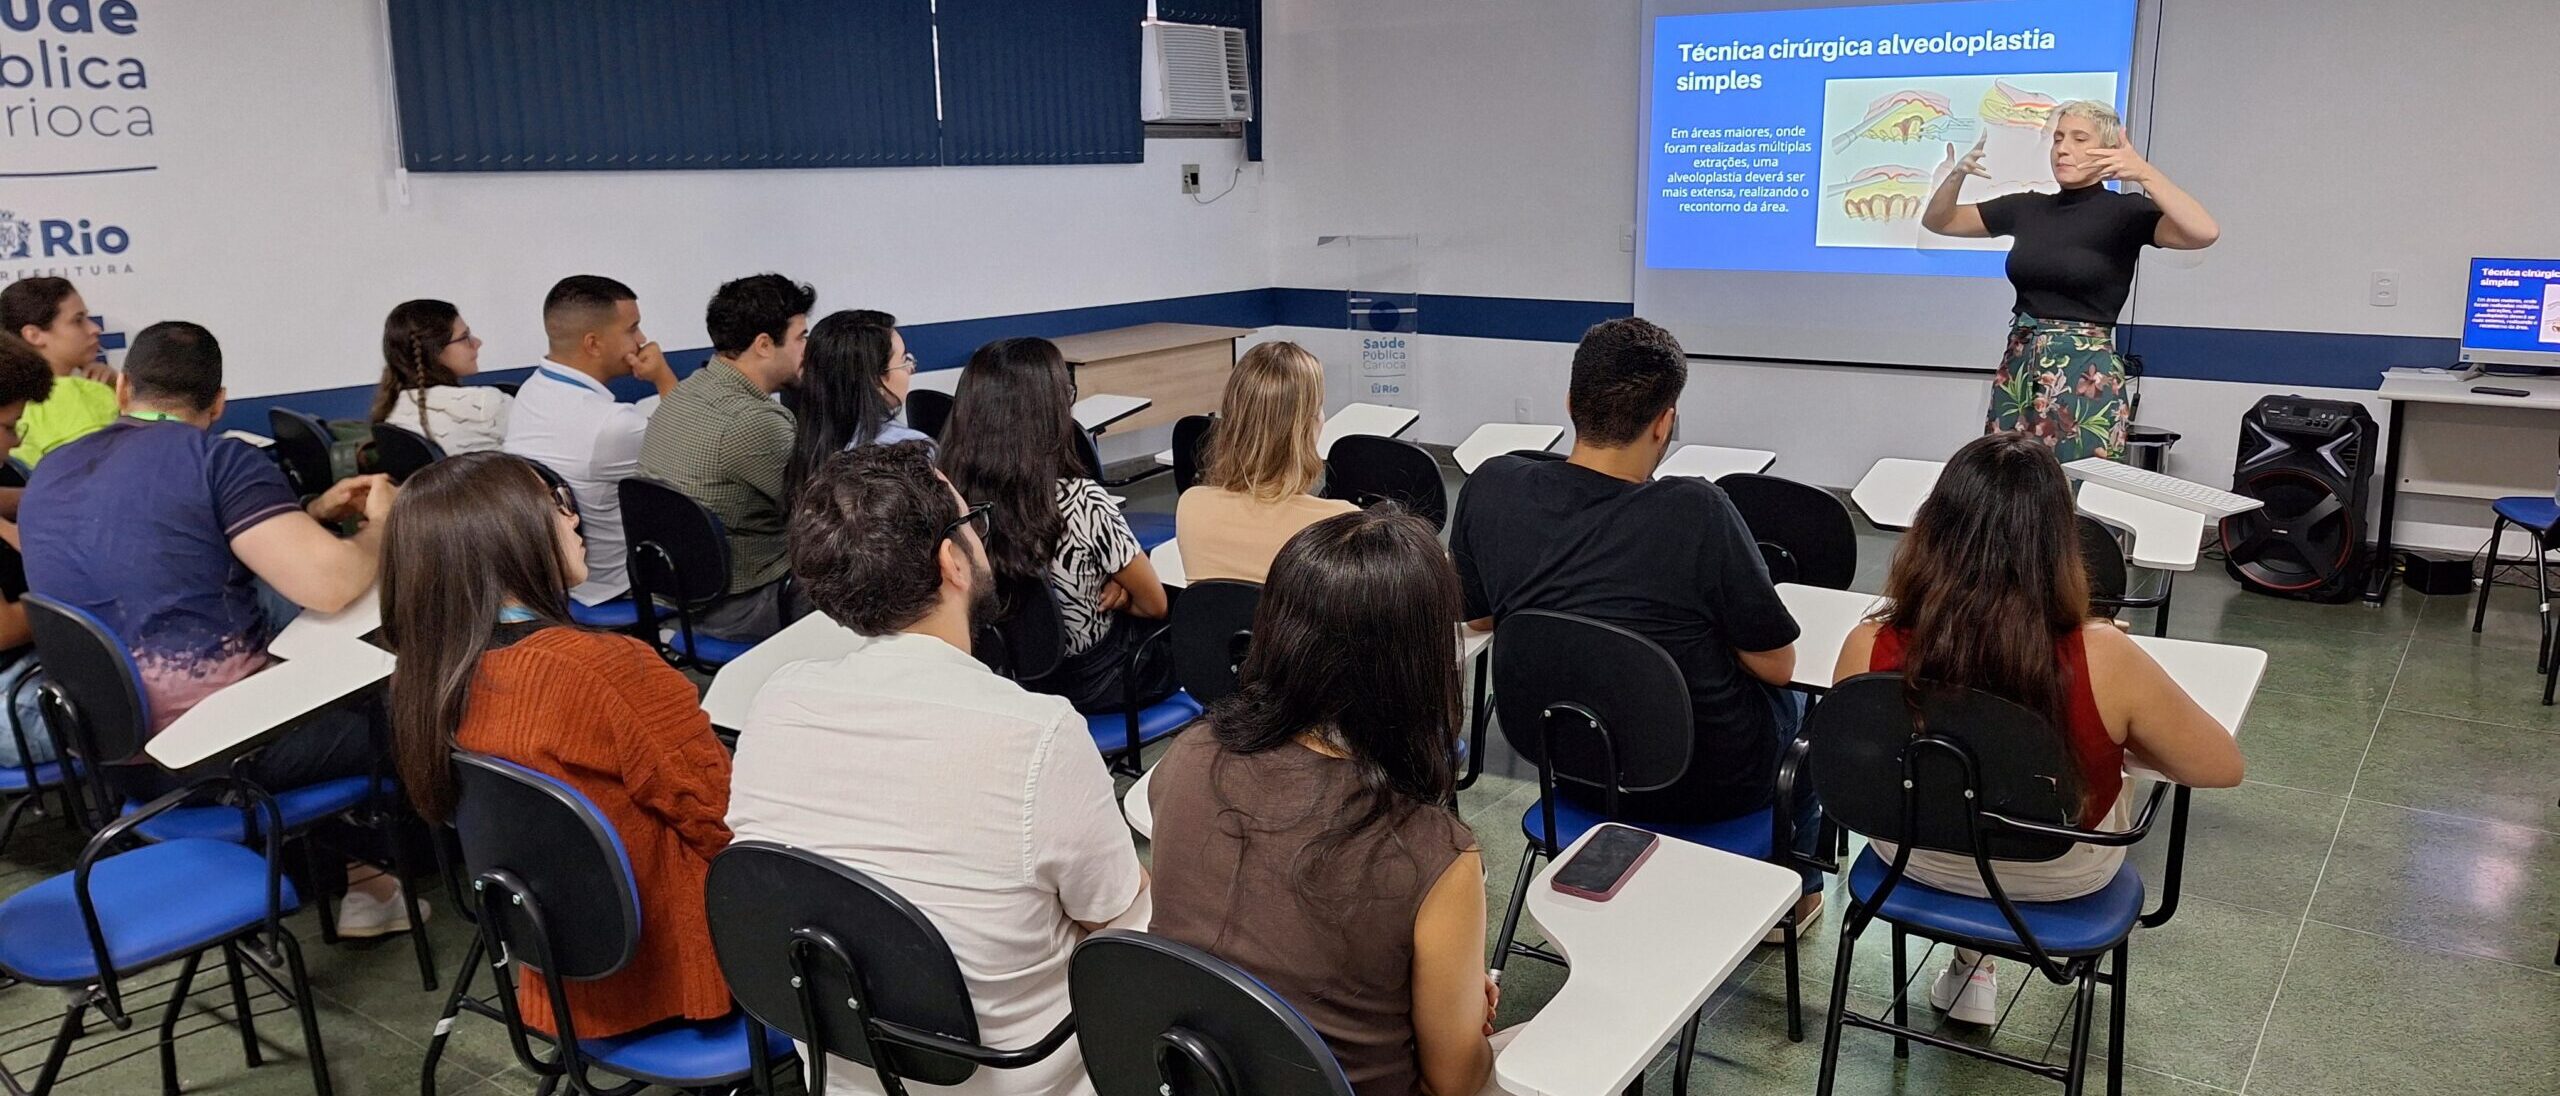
[[1602, 866]]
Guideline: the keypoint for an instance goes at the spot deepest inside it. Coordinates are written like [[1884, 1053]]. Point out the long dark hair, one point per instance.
[[1352, 643], [1010, 440], [469, 535], [842, 399], [1989, 578], [413, 340]]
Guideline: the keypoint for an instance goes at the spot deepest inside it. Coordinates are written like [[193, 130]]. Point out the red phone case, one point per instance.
[[1621, 884]]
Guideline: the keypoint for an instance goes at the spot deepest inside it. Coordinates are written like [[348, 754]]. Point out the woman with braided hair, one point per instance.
[[426, 351]]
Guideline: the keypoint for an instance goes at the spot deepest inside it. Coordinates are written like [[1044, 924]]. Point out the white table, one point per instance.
[[2443, 440], [945, 381], [1643, 964], [1493, 439], [1097, 412], [1167, 560], [311, 631], [734, 687], [1362, 418], [1892, 491], [262, 703], [2164, 536], [1714, 462]]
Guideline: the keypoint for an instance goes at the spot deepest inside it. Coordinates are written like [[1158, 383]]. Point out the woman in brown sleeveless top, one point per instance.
[[1301, 832]]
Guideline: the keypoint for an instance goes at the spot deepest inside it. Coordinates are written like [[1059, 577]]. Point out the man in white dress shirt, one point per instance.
[[567, 419], [981, 802]]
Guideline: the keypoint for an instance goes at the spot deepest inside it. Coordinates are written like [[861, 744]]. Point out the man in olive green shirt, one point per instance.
[[49, 314], [722, 439]]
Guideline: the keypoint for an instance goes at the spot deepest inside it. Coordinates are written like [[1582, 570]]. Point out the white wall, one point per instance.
[[278, 219], [2331, 138]]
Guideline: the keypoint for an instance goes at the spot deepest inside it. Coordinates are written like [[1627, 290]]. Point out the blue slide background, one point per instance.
[[2522, 305], [2090, 36]]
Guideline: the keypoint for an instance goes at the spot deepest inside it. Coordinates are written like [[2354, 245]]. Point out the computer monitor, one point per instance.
[[2511, 313]]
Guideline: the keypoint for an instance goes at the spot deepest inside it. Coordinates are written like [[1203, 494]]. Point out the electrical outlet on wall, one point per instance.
[[2383, 291], [1191, 178], [1520, 409]]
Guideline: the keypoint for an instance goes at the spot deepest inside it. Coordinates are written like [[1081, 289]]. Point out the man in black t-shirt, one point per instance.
[[1597, 536]]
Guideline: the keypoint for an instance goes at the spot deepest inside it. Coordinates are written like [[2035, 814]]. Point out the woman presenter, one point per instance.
[[2072, 262]]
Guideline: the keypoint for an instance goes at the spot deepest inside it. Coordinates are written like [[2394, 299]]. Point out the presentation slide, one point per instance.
[[1809, 140], [2514, 309]]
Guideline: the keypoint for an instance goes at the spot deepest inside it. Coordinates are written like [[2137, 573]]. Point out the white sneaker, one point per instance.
[[1972, 998], [361, 917]]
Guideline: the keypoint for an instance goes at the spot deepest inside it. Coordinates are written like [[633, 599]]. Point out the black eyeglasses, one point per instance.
[[979, 516]]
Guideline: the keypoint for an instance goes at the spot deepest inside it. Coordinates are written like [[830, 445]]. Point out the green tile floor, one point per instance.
[[2375, 911]]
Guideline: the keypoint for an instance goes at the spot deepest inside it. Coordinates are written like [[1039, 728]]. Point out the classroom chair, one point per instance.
[[1212, 628], [1190, 449], [26, 783], [1606, 710], [928, 411], [679, 560], [93, 701], [556, 896], [1366, 470], [130, 905], [619, 614], [1157, 1016], [1975, 776], [1028, 642], [1149, 527], [302, 447], [1804, 532], [2540, 516], [834, 959], [2102, 554], [398, 452]]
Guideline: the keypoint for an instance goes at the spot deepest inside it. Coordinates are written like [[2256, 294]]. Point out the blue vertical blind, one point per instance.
[[1041, 81]]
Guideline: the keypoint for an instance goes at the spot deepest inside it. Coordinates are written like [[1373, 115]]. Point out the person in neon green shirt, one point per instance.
[[50, 316]]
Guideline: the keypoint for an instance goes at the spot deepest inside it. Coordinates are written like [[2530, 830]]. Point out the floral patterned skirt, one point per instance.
[[2062, 382]]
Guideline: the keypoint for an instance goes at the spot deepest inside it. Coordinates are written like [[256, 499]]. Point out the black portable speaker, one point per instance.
[[2310, 461]]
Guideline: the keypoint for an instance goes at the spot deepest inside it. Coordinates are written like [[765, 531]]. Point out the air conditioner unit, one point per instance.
[[1194, 73]]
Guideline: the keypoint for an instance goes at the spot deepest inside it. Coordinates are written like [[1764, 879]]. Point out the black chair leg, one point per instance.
[[1839, 1003], [240, 1006], [10, 825], [2115, 1023], [2542, 607], [62, 1038], [1511, 913], [1901, 991], [1688, 1053], [169, 1024], [2160, 616], [392, 828], [1795, 1005], [303, 1003], [444, 1020], [2075, 1080], [2488, 574]]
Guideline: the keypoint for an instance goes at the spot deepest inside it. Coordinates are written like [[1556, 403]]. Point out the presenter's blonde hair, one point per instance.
[[2100, 116], [1265, 442]]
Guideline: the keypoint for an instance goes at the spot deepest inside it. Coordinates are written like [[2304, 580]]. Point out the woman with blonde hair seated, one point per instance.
[[1258, 485]]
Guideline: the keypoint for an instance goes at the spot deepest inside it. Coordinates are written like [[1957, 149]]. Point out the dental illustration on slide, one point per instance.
[[1894, 139]]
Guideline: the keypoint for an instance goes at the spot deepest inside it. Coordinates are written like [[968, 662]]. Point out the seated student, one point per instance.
[[476, 561], [49, 315], [2014, 621], [163, 531], [24, 379], [566, 418], [852, 382], [980, 802], [1303, 831], [1262, 467], [1596, 535], [426, 351], [722, 440], [1011, 443]]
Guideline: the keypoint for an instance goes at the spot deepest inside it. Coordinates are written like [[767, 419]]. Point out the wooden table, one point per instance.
[[1181, 367]]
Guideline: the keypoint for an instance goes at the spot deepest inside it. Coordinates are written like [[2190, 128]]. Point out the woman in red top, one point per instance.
[[477, 557], [1987, 591]]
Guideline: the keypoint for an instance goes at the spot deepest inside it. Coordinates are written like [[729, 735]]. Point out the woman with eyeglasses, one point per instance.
[[426, 351], [478, 556], [853, 380]]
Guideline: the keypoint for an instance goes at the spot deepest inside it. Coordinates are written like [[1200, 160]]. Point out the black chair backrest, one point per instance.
[[1539, 454], [1155, 1016], [398, 452], [1366, 470], [1612, 698], [1028, 638], [679, 552], [92, 695], [1804, 531], [1866, 741], [1091, 451], [776, 915], [561, 849], [1191, 446], [1212, 627], [2103, 555], [302, 447], [927, 411]]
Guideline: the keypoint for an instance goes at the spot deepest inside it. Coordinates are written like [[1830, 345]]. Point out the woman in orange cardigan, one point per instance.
[[476, 556]]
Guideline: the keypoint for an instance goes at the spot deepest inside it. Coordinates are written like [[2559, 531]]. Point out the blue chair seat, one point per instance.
[[2536, 512], [1150, 529], [617, 613], [684, 1055], [153, 902], [1745, 835], [708, 649], [301, 807], [1173, 713], [2080, 926], [49, 774]]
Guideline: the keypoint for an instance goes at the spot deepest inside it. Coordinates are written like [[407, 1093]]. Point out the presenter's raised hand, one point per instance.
[[2120, 163], [1971, 164]]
